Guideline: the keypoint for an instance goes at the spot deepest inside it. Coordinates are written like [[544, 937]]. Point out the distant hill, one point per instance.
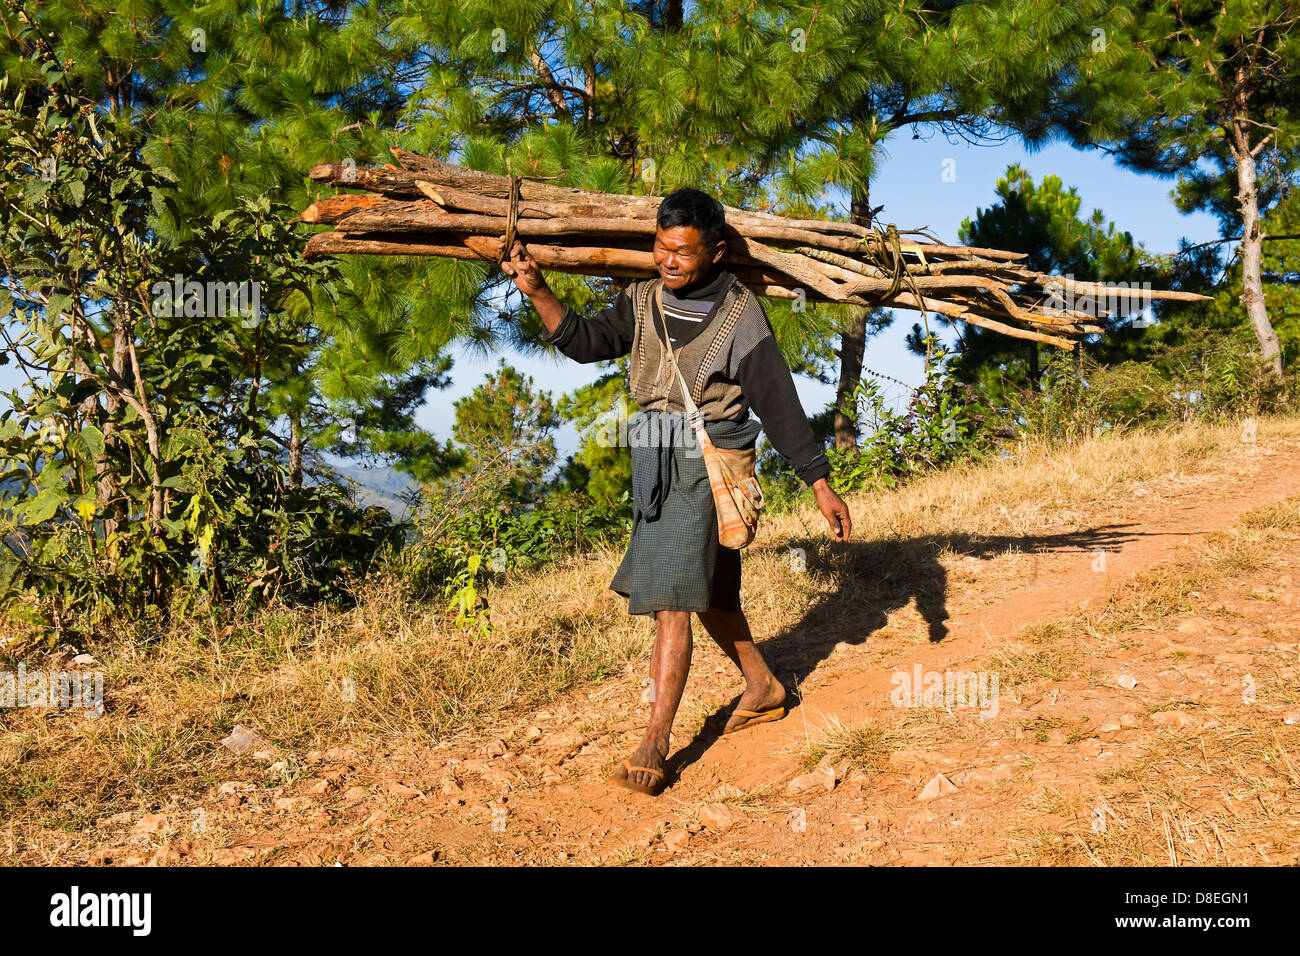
[[379, 485], [374, 486]]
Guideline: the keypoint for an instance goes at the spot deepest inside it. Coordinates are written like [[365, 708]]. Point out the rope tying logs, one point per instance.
[[512, 216]]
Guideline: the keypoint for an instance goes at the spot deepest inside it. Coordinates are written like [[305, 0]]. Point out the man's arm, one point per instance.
[[606, 335], [766, 381]]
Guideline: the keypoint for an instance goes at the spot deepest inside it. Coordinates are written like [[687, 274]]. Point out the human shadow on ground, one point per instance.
[[869, 581]]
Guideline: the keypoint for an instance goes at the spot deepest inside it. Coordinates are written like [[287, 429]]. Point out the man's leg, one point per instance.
[[669, 663], [730, 631]]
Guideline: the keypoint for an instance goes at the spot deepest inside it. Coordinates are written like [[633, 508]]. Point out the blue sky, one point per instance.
[[910, 182]]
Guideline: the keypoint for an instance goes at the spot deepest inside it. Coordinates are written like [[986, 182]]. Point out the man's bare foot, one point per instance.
[[651, 755], [756, 699]]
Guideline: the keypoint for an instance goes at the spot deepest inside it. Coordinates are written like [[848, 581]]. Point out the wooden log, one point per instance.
[[610, 260], [331, 209], [404, 183]]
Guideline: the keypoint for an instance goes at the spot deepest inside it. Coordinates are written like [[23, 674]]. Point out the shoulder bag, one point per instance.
[[737, 494]]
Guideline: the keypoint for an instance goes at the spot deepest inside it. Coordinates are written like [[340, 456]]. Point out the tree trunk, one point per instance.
[[108, 489], [295, 449], [852, 350], [1252, 247]]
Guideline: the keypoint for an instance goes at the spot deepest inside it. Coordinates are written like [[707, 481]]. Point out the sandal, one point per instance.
[[753, 717], [630, 784]]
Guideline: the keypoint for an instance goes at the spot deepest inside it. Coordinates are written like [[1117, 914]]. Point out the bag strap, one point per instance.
[[692, 412]]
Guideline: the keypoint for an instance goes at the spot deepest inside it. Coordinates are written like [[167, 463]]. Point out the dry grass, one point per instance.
[[866, 746], [1172, 807]]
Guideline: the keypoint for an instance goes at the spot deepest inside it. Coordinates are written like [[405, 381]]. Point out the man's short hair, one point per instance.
[[690, 207]]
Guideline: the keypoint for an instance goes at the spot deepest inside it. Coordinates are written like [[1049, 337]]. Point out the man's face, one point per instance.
[[682, 258]]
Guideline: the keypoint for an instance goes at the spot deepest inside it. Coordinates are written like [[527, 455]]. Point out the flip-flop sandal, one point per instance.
[[753, 717], [630, 784]]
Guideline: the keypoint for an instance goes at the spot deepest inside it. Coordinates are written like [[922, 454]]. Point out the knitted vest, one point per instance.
[[710, 362]]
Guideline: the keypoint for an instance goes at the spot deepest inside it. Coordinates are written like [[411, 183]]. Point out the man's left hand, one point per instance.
[[833, 507]]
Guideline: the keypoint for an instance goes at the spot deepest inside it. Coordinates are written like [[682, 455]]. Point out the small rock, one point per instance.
[[497, 748], [533, 733], [243, 740], [401, 791], [450, 788], [425, 859], [293, 804], [1128, 720], [551, 775], [939, 786], [116, 820], [150, 823], [376, 818], [1291, 719], [812, 781], [719, 816], [1127, 681], [1110, 726], [233, 856], [1090, 748], [356, 794], [1175, 718], [676, 840], [1237, 660], [319, 788], [83, 659]]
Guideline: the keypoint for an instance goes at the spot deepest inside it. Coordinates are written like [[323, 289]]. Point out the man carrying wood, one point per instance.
[[725, 349]]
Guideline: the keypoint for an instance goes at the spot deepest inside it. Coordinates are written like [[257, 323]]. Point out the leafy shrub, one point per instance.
[[945, 422]]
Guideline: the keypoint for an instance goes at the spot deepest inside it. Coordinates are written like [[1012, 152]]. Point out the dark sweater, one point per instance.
[[763, 374]]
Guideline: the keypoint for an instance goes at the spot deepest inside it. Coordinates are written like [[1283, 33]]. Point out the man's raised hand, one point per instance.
[[528, 277], [521, 267]]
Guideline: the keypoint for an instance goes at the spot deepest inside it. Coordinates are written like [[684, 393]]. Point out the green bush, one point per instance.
[[945, 422]]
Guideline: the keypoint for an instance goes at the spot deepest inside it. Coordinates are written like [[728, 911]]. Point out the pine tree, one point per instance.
[[1207, 92], [506, 429], [1043, 221]]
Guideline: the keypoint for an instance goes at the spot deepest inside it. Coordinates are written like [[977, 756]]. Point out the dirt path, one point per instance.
[[1079, 757]]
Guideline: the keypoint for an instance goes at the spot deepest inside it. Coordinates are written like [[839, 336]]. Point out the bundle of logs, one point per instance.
[[425, 207]]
